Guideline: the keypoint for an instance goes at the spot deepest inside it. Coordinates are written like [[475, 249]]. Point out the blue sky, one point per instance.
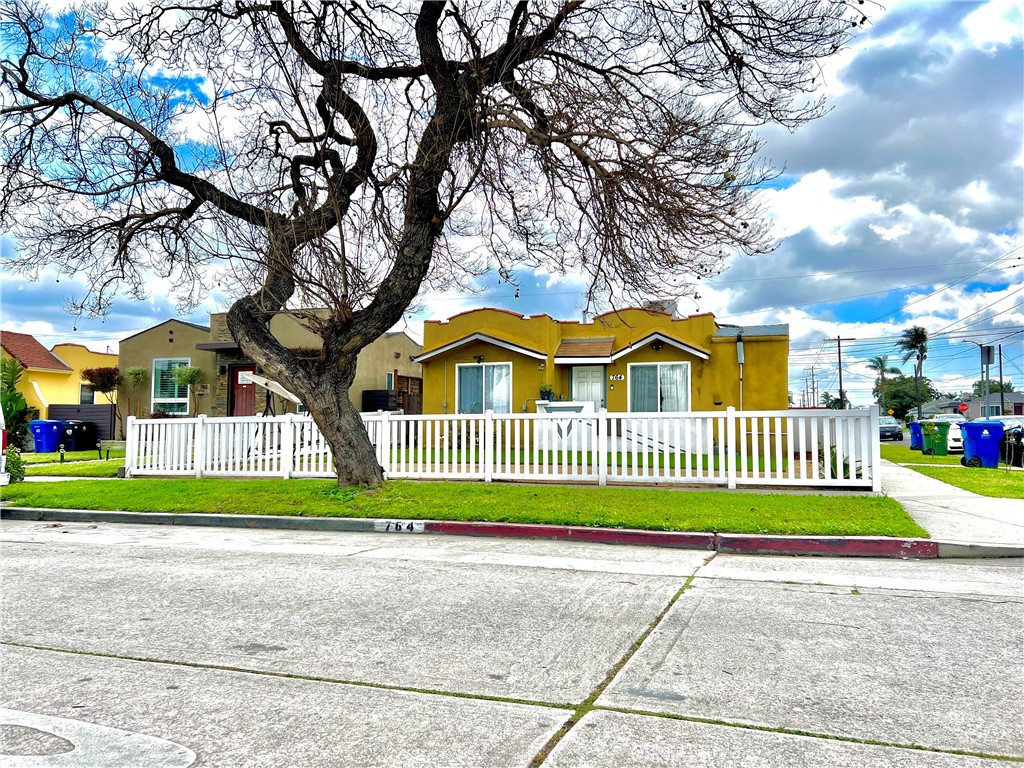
[[902, 206]]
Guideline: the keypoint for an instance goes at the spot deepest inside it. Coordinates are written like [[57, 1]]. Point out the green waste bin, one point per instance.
[[935, 435]]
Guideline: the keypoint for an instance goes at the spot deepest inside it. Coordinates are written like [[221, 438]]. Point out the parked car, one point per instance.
[[889, 428], [1010, 423], [4, 477]]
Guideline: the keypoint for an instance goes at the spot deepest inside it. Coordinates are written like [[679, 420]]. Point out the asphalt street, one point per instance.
[[132, 645]]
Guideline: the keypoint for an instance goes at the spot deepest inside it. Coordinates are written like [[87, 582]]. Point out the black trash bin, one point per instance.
[[1013, 448], [78, 435]]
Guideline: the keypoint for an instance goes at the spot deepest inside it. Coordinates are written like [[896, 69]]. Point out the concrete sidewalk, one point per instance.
[[949, 513]]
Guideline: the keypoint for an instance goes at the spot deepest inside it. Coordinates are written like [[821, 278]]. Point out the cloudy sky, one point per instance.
[[903, 206]]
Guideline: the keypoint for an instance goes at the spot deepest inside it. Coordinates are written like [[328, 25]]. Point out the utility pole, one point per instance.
[[839, 349], [1002, 396], [812, 393], [987, 358]]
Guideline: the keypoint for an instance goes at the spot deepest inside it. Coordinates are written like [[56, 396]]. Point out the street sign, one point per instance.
[[891, 411], [962, 407]]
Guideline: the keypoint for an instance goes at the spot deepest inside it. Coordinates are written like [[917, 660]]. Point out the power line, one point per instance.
[[1007, 255]]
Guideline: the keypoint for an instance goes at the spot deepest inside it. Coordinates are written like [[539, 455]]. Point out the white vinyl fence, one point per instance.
[[793, 448]]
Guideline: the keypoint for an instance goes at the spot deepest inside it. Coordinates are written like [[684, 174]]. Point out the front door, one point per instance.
[[243, 391], [588, 384]]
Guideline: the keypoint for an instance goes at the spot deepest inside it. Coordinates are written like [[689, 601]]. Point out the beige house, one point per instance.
[[386, 376], [159, 350]]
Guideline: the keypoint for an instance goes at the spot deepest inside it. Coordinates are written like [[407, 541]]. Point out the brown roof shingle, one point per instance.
[[585, 347], [29, 352]]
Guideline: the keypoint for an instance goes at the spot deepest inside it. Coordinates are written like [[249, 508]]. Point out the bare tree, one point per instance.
[[345, 155]]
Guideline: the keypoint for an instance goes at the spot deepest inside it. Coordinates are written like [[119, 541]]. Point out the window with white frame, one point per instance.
[[167, 395], [659, 387], [483, 387]]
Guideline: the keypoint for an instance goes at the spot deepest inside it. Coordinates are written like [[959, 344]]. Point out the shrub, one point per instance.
[[191, 377], [15, 465]]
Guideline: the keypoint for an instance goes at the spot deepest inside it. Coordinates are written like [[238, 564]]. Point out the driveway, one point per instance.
[[219, 647]]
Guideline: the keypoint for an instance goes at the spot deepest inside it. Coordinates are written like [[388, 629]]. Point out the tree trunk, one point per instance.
[[355, 460], [322, 385], [917, 394]]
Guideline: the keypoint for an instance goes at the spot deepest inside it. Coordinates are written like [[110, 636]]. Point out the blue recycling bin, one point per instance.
[[46, 435], [982, 442], [916, 437]]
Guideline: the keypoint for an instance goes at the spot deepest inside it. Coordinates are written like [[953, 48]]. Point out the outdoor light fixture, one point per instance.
[[478, 358], [657, 345]]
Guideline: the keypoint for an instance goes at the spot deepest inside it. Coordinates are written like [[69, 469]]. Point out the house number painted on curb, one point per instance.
[[399, 526]]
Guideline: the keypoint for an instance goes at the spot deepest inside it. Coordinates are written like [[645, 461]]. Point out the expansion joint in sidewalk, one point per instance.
[[808, 734], [587, 705], [291, 676]]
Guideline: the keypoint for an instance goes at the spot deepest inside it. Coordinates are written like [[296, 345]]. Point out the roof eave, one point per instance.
[[480, 337]]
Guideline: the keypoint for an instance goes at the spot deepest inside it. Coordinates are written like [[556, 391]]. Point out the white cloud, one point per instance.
[[812, 204], [996, 22]]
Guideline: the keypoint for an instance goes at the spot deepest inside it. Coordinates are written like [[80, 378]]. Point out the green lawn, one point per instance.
[[46, 458], [899, 453], [76, 469], [653, 509], [997, 483]]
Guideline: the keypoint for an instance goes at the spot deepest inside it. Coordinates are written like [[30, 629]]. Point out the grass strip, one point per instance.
[[50, 458], [995, 483], [644, 508], [76, 469], [900, 454]]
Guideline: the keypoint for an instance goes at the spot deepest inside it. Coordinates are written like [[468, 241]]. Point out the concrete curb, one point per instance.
[[733, 543]]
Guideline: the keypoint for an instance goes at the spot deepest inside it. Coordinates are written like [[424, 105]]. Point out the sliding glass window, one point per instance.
[[659, 387], [484, 387]]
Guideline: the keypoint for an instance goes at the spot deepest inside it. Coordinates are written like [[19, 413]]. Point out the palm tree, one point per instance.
[[835, 403], [880, 365], [913, 343]]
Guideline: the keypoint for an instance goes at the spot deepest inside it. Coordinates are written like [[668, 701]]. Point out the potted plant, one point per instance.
[[545, 391]]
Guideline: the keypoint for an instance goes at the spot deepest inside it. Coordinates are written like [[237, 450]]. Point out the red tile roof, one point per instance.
[[29, 352]]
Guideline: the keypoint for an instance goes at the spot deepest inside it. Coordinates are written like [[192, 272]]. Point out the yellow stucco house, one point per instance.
[[80, 358], [53, 377], [629, 360]]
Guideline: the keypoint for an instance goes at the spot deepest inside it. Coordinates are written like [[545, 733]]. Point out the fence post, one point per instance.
[[130, 452], [288, 447], [730, 447], [488, 445], [199, 449], [602, 447], [384, 442], [876, 452]]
